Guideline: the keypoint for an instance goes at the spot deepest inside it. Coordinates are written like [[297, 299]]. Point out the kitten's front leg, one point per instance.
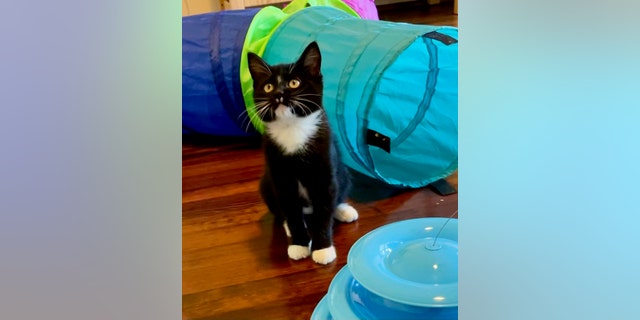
[[320, 224], [322, 249], [299, 247], [295, 226], [278, 195], [324, 256]]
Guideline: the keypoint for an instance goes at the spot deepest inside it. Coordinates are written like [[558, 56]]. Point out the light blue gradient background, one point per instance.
[[90, 160], [549, 160]]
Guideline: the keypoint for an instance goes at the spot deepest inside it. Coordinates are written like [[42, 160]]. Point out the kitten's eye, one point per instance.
[[294, 83], [268, 87]]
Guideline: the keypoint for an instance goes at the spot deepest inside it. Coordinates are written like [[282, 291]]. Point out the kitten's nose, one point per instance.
[[279, 99]]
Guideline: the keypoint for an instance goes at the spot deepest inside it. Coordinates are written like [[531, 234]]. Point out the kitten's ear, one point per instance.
[[258, 68], [311, 59]]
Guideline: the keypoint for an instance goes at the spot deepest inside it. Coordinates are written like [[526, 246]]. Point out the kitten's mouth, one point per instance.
[[283, 111]]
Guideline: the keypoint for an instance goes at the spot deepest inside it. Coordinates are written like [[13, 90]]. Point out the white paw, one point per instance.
[[297, 252], [324, 256], [345, 213], [286, 229]]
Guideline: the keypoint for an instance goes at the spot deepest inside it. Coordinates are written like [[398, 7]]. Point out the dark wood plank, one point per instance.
[[235, 264], [420, 12]]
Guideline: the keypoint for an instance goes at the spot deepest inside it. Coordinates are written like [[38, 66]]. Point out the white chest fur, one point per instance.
[[293, 133]]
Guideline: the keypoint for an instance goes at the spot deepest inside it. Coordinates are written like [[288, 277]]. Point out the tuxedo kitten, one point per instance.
[[304, 181]]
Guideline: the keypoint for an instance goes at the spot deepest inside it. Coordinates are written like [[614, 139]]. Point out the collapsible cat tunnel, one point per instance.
[[390, 91]]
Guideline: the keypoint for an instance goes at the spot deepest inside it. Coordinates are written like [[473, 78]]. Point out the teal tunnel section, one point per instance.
[[390, 91]]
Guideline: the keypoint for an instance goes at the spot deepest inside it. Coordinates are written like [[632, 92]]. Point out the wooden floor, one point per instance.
[[235, 263]]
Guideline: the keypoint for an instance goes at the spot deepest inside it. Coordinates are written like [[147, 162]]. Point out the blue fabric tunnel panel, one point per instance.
[[391, 91], [212, 101]]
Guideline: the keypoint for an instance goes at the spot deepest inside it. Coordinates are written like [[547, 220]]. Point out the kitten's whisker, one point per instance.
[[247, 120], [260, 111], [260, 114], [261, 103], [245, 111], [305, 109], [307, 100], [248, 123], [261, 108], [252, 118], [295, 104], [309, 94], [298, 102], [247, 117], [263, 111]]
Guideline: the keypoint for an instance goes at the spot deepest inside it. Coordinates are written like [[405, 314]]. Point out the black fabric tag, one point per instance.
[[379, 140], [442, 187], [435, 35]]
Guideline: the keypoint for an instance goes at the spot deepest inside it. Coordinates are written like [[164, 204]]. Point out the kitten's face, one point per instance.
[[287, 90]]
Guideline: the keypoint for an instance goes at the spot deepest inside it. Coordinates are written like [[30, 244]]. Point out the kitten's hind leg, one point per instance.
[[345, 213]]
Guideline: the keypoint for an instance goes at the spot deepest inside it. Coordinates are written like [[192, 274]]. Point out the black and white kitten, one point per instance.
[[304, 181]]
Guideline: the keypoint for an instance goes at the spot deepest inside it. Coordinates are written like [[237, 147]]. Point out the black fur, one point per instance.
[[318, 167]]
